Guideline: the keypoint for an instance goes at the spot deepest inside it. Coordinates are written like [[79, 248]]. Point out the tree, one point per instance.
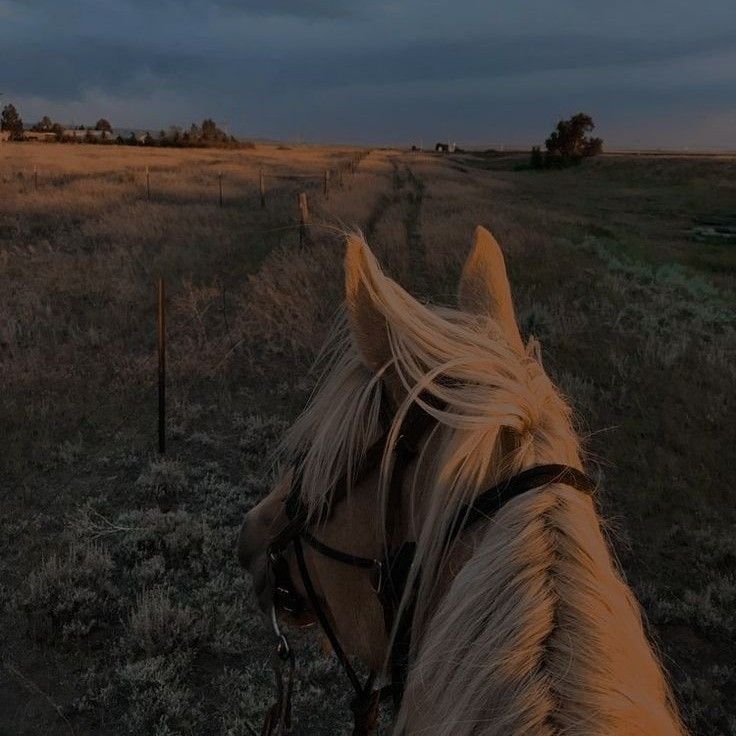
[[44, 125], [11, 121], [569, 141], [209, 130], [103, 125]]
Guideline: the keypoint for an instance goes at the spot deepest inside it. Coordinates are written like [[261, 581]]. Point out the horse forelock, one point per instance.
[[457, 368]]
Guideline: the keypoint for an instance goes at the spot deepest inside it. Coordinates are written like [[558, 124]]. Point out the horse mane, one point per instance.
[[537, 633]]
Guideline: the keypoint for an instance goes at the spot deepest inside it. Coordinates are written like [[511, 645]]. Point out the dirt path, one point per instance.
[[417, 259]]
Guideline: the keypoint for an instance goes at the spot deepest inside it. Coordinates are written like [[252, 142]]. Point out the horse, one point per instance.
[[436, 459]]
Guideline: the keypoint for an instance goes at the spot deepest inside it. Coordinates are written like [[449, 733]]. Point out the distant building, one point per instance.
[[125, 133], [445, 147], [43, 136], [4, 135], [81, 135]]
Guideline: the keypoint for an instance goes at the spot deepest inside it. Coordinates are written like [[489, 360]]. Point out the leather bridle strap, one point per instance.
[[324, 622], [490, 501], [366, 701], [346, 558]]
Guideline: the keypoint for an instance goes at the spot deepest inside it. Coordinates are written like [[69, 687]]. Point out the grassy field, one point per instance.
[[123, 609]]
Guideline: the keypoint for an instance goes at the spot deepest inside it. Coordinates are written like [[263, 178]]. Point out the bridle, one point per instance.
[[388, 575]]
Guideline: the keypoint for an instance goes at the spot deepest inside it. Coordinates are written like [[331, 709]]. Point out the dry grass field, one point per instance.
[[123, 610]]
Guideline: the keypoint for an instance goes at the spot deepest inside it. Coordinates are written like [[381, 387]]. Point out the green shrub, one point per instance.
[[156, 700], [164, 478], [71, 595], [158, 625]]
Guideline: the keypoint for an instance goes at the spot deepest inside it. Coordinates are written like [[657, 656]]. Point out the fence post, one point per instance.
[[262, 185], [327, 183], [148, 183], [303, 218], [35, 178], [220, 179], [161, 368]]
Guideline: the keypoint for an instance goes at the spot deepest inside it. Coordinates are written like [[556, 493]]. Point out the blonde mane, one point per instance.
[[537, 633]]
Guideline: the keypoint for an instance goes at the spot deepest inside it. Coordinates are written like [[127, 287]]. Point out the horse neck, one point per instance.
[[538, 634]]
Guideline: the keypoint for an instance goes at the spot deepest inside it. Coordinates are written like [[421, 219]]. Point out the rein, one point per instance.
[[388, 576]]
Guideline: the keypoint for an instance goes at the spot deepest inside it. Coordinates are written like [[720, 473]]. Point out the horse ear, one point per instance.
[[367, 310], [484, 286]]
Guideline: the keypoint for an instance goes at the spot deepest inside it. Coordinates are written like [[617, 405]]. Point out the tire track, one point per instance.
[[385, 201], [414, 244]]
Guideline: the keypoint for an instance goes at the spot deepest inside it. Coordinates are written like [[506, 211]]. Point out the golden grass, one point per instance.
[[80, 255], [631, 313]]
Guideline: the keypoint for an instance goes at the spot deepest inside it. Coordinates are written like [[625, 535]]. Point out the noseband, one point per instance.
[[388, 576]]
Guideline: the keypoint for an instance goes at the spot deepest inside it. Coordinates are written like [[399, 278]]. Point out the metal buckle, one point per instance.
[[285, 596], [283, 650], [278, 718], [376, 577]]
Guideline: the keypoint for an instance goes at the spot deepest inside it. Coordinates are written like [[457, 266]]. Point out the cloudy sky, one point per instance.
[[653, 73]]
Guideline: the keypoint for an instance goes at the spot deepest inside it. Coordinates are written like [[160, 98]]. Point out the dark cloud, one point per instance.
[[330, 69], [65, 69], [487, 57], [68, 67], [295, 8]]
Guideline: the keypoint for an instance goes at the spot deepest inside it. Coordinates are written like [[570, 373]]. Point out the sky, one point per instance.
[[652, 73]]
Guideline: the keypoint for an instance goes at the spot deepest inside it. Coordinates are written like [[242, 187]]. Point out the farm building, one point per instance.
[[4, 135], [81, 135], [34, 135], [445, 147]]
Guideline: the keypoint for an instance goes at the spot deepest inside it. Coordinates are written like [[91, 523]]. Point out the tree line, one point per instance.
[[207, 134]]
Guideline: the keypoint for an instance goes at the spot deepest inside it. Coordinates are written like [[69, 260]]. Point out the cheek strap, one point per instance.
[[365, 703]]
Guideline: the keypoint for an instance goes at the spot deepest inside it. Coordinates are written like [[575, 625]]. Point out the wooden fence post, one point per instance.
[[148, 183], [327, 183], [35, 178], [262, 184], [220, 179], [303, 218], [161, 368]]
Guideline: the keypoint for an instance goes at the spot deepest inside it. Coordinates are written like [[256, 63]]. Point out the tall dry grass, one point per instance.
[[80, 255], [635, 326]]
